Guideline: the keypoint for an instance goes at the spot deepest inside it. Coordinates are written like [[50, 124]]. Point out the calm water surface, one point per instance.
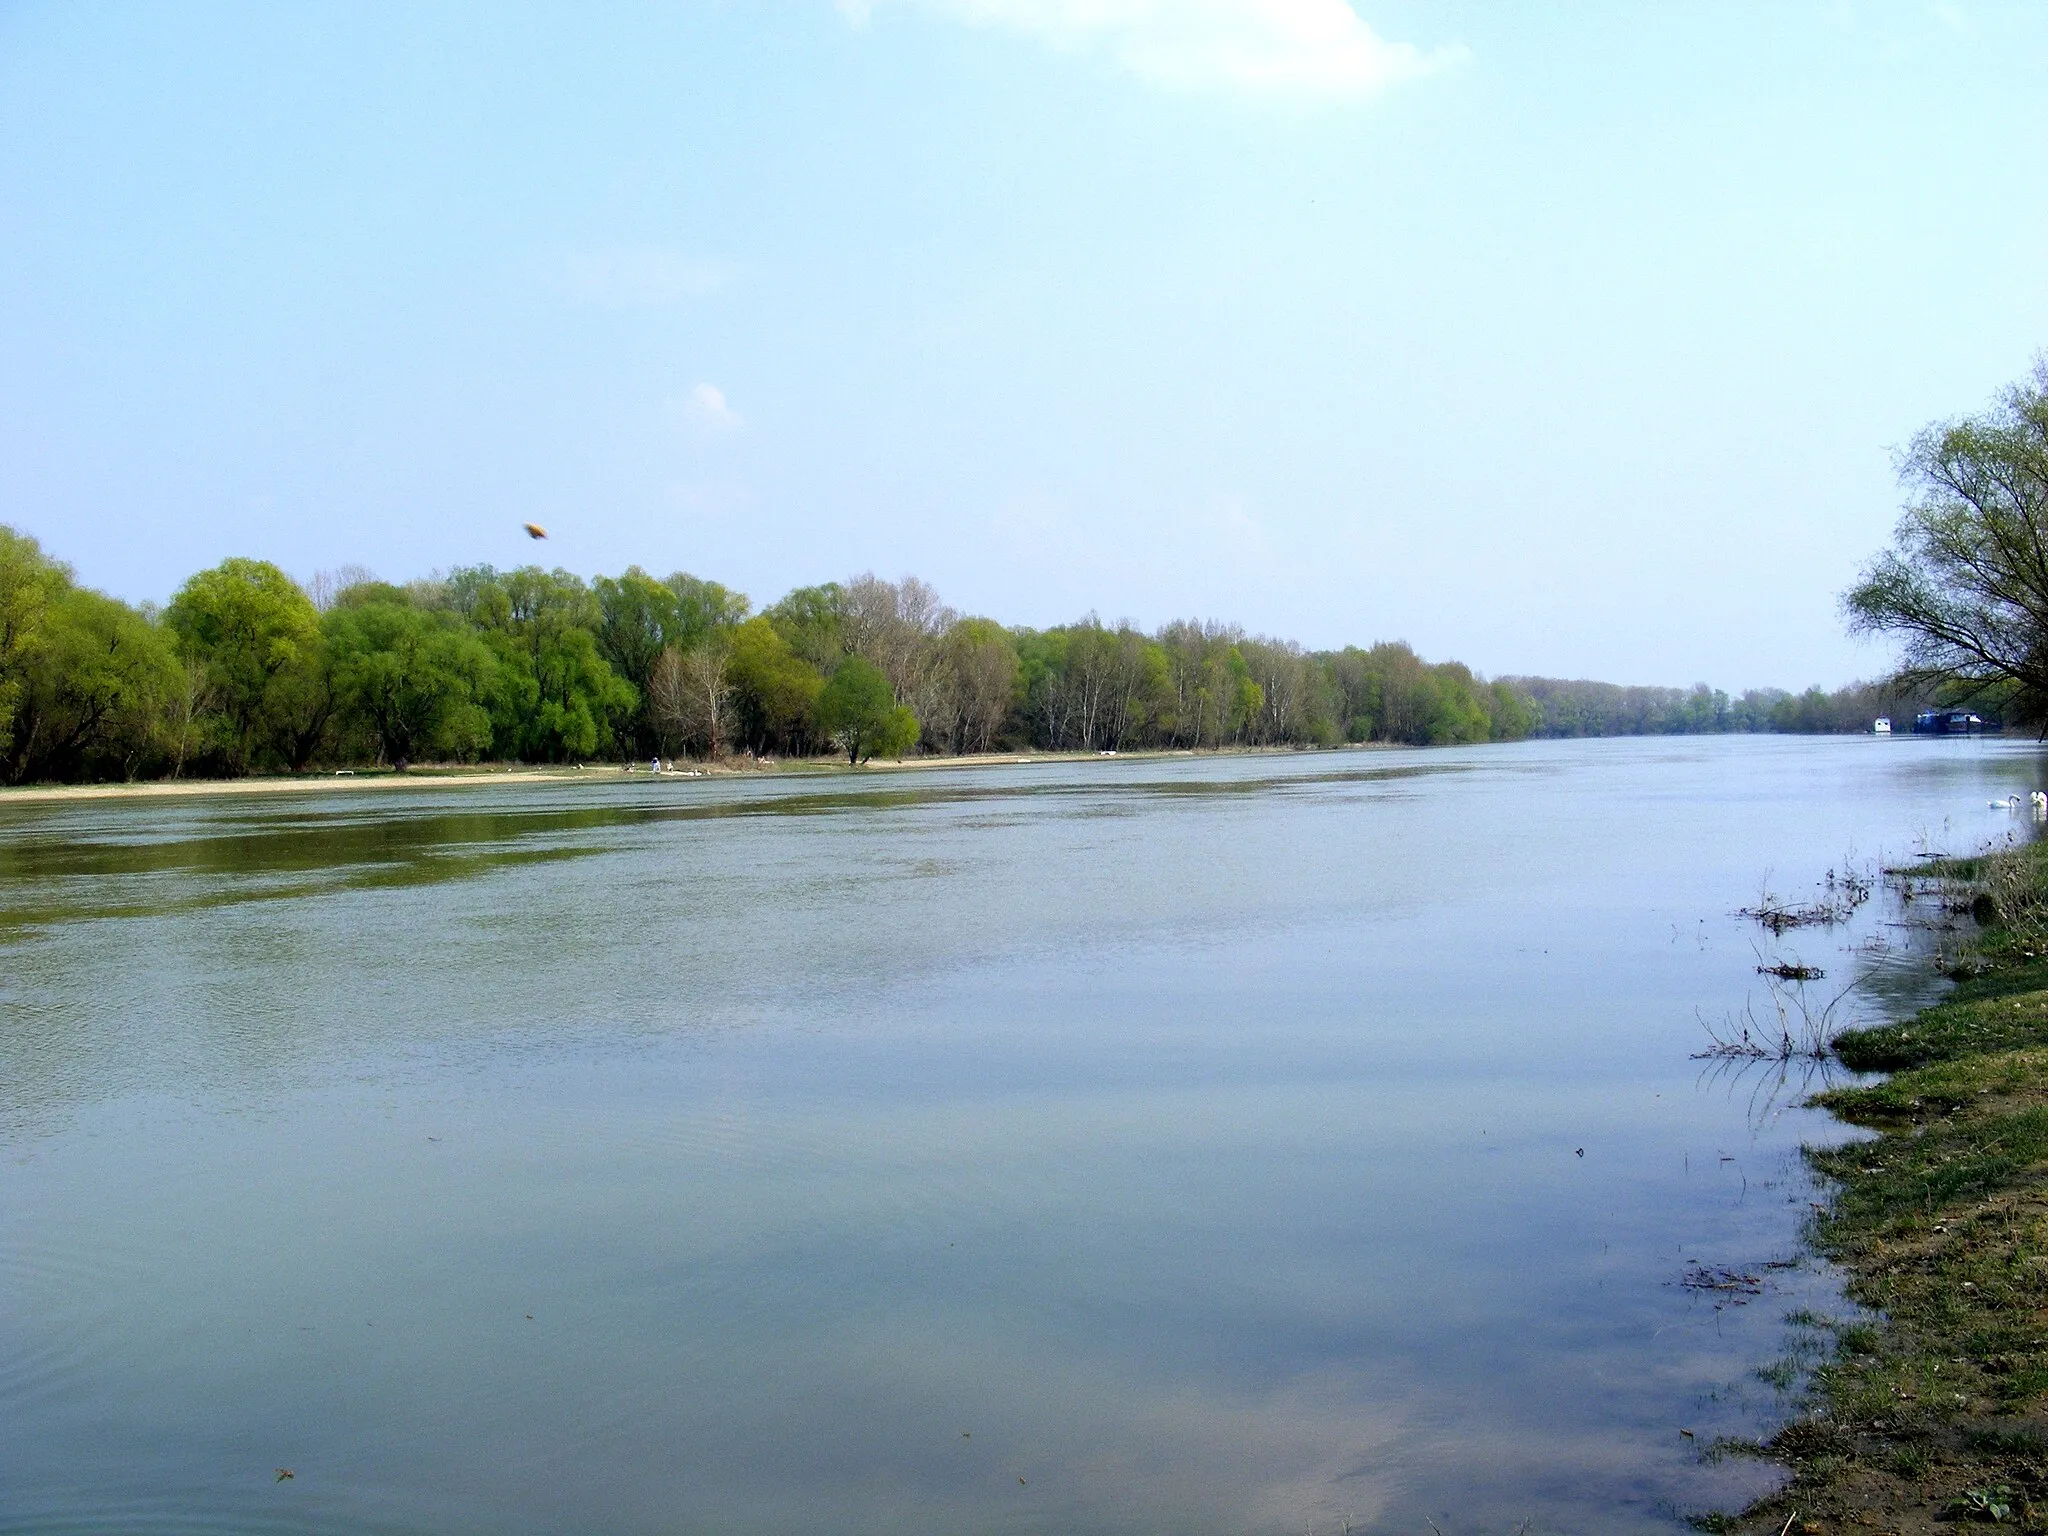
[[1218, 1146]]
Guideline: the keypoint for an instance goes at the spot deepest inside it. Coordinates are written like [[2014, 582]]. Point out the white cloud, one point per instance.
[[705, 409], [1300, 47], [644, 274]]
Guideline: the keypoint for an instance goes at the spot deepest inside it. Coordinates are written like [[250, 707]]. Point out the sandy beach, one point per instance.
[[465, 778]]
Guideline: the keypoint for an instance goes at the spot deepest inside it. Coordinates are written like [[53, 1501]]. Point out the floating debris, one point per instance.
[[1712, 1277], [1786, 970]]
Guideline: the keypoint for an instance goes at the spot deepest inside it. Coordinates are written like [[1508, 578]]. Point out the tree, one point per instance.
[[981, 659], [640, 619], [690, 697], [898, 627], [302, 705], [705, 608], [775, 691], [555, 697], [1390, 694], [95, 682], [29, 582], [1964, 586], [1212, 695], [808, 619], [859, 711], [414, 680], [328, 587], [248, 625], [1514, 714], [1290, 703], [182, 721]]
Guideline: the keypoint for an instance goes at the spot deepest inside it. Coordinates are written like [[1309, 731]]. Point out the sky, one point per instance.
[[1563, 339]]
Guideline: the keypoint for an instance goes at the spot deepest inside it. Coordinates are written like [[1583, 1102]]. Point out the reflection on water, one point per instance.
[[1195, 1146], [56, 872]]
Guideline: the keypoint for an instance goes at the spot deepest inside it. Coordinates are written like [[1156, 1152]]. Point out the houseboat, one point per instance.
[[1946, 722]]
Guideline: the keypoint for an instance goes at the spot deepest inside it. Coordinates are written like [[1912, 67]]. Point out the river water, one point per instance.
[[1234, 1145]]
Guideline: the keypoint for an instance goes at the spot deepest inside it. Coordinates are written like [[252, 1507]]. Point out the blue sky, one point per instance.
[[1565, 339]]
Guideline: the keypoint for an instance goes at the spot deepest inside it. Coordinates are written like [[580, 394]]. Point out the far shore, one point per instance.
[[428, 776]]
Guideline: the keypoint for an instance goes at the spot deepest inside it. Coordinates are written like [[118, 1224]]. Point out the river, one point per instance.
[[1252, 1144]]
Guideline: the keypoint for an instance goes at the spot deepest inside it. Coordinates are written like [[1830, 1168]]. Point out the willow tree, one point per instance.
[[30, 581], [1964, 586], [252, 629]]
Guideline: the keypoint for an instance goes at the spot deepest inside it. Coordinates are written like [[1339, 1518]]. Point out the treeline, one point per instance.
[[246, 670], [1580, 708]]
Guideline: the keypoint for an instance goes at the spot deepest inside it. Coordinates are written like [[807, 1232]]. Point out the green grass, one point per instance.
[[2005, 1009], [1781, 1374], [1937, 1399]]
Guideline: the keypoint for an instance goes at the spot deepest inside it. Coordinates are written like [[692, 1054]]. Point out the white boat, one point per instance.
[[1883, 727]]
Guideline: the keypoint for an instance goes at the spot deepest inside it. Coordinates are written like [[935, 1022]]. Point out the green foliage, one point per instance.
[[1212, 698], [243, 673], [981, 668], [899, 734], [302, 705], [1782, 1375], [1995, 1505], [775, 691], [91, 687], [2004, 1011], [857, 709], [1090, 688], [1512, 713], [704, 608], [1390, 694], [555, 697], [1565, 707], [1964, 586], [1939, 1225], [808, 620], [640, 619], [255, 634], [415, 681], [29, 582]]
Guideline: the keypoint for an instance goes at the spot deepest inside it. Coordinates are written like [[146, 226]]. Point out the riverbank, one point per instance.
[[1934, 1407], [470, 776]]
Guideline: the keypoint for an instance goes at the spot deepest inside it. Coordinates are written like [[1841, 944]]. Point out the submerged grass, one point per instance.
[[1932, 1410]]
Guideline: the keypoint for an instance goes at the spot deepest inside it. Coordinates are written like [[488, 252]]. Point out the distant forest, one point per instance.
[[247, 670]]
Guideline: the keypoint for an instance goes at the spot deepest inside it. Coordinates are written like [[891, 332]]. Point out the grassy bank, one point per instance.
[[1933, 1410]]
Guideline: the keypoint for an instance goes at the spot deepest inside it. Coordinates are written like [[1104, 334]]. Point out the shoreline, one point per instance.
[[1931, 1408], [431, 777], [423, 776]]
